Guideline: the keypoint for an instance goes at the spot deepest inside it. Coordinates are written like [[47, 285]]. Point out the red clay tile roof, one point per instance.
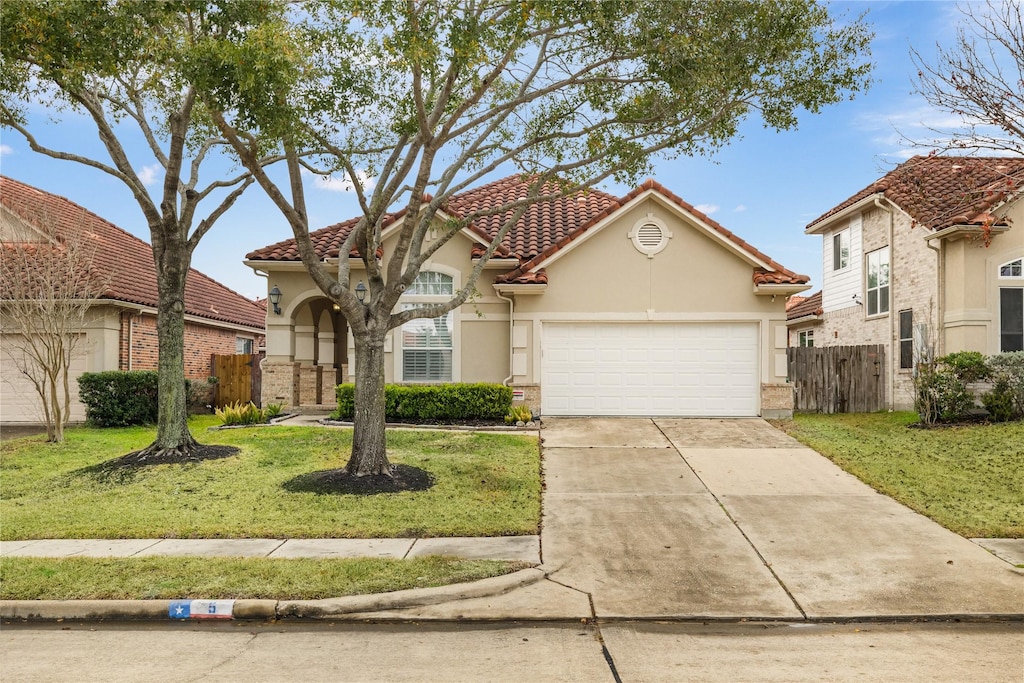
[[942, 191], [128, 258], [809, 306], [544, 229]]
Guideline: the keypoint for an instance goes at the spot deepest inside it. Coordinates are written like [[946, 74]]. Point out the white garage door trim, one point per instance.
[[690, 369]]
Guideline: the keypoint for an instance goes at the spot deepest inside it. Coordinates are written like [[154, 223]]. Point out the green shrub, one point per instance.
[[240, 413], [940, 395], [1000, 402], [1009, 367], [520, 413], [441, 402], [273, 410], [119, 399], [967, 366]]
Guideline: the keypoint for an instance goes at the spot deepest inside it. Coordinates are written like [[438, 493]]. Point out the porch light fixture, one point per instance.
[[361, 292], [275, 299]]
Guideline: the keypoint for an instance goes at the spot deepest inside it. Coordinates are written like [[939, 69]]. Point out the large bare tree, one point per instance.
[[430, 97], [48, 283], [126, 66], [979, 79]]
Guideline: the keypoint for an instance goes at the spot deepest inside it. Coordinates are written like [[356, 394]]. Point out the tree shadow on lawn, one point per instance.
[[338, 482], [123, 469]]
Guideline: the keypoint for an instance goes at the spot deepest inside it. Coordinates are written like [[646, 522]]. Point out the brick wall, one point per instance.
[[777, 401], [201, 342], [913, 285]]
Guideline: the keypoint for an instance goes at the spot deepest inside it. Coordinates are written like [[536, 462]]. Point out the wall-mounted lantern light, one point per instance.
[[275, 299], [361, 292]]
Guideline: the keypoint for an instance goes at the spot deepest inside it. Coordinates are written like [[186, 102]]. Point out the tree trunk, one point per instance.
[[369, 441], [172, 432]]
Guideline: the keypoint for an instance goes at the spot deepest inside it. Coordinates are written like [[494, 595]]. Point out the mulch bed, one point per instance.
[[138, 459], [338, 481]]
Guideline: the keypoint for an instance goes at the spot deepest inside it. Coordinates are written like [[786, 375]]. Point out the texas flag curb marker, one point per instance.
[[201, 609]]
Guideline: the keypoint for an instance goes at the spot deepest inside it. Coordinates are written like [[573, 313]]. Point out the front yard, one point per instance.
[[970, 479], [484, 485]]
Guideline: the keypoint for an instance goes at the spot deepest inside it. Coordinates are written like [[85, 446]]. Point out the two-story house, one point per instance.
[[927, 260]]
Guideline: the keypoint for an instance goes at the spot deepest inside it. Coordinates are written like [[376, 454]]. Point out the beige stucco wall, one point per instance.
[[970, 309]]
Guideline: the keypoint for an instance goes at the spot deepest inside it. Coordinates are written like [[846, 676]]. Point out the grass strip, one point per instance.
[[969, 479], [169, 578], [486, 484]]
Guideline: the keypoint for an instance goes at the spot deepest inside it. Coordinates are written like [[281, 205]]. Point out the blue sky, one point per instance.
[[765, 187]]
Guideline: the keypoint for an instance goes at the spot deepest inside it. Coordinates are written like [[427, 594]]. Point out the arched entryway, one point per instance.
[[321, 351]]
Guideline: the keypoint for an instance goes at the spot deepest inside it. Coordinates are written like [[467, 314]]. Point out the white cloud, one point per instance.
[[333, 183], [740, 208], [707, 209], [5, 150], [147, 174]]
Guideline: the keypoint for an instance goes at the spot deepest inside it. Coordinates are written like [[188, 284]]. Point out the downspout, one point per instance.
[[511, 321], [892, 318], [940, 295]]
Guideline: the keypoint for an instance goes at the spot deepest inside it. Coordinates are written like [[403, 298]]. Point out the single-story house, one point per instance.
[[593, 305], [120, 330], [926, 261]]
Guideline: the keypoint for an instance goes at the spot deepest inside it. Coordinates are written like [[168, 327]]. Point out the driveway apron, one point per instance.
[[732, 518]]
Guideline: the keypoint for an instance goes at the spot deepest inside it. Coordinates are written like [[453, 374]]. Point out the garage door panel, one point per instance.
[[650, 369]]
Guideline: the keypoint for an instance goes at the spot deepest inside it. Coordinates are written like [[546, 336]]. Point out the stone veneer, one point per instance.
[[777, 401]]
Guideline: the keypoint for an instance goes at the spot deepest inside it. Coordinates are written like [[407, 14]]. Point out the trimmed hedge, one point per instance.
[[119, 399], [444, 402]]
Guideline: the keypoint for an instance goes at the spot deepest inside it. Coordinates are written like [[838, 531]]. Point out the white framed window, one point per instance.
[[806, 338], [427, 345], [841, 249], [243, 345], [877, 291], [1012, 270]]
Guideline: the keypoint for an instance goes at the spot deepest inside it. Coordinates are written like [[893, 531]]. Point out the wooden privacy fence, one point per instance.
[[239, 378], [838, 379]]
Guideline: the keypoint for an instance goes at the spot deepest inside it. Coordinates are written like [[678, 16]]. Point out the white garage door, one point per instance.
[[685, 369], [19, 402]]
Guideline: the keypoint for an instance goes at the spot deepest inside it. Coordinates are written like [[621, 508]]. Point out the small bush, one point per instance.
[[520, 413], [273, 410], [119, 399], [1009, 367], [1000, 402], [941, 396], [241, 414], [441, 402], [967, 366]]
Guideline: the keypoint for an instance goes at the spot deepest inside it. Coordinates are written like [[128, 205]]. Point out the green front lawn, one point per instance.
[[486, 485], [970, 479]]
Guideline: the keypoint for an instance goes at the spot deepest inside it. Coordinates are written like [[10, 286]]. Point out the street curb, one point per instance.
[[415, 597], [149, 610]]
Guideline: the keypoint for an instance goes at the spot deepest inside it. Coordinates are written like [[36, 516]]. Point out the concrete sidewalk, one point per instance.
[[513, 548]]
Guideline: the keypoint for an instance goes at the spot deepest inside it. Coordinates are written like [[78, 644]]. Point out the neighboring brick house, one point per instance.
[[592, 305], [803, 318], [926, 260], [121, 329]]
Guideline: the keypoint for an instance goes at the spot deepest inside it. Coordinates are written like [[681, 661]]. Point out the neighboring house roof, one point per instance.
[[943, 191], [804, 307], [544, 229], [128, 259]]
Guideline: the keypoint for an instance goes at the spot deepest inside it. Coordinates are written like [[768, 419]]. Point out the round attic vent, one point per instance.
[[650, 236]]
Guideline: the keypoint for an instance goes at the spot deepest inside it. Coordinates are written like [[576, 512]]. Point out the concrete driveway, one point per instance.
[[734, 519]]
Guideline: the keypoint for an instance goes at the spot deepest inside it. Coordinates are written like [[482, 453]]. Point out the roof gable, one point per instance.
[[129, 259], [942, 191]]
